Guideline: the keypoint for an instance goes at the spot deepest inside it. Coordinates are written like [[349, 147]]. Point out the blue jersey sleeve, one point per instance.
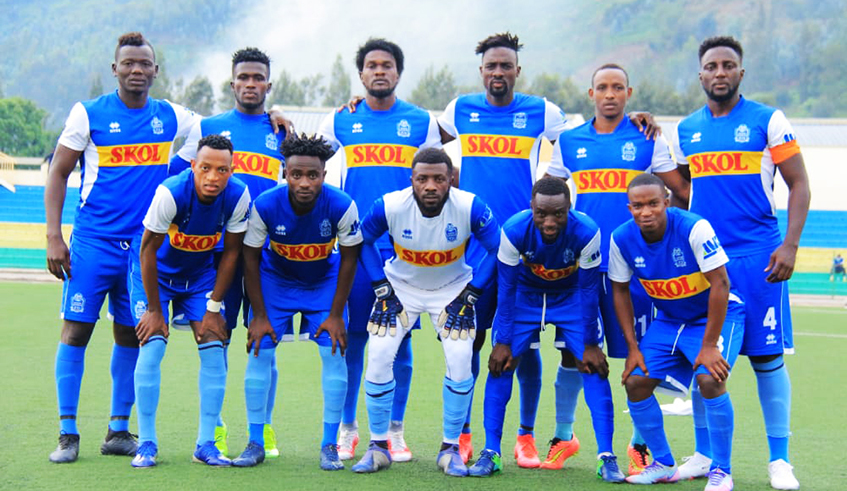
[[507, 277], [486, 230], [374, 226], [177, 165], [589, 282]]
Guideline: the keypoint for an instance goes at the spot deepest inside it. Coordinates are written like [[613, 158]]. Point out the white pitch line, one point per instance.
[[821, 335]]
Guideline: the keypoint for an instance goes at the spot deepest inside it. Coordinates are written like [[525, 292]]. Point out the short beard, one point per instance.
[[381, 93], [722, 98], [433, 210], [250, 106]]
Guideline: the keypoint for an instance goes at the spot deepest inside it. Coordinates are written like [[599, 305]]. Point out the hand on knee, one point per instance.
[[639, 388], [710, 387]]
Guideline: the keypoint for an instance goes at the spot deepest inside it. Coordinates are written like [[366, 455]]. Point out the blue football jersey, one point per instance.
[[732, 160], [301, 250], [672, 269], [125, 156], [193, 228], [601, 166]]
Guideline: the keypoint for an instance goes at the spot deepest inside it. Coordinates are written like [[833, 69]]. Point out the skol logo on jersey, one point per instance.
[[255, 164], [550, 274], [604, 180], [191, 243], [676, 288], [504, 146], [429, 258], [725, 163], [373, 155], [134, 154], [303, 252]]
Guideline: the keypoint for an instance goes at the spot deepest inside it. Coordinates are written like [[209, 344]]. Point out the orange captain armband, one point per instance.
[[784, 151]]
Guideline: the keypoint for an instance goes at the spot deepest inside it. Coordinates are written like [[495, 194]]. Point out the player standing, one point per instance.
[[430, 224], [697, 333], [290, 267], [379, 141], [548, 268], [257, 162], [733, 147], [192, 210], [602, 156], [122, 141]]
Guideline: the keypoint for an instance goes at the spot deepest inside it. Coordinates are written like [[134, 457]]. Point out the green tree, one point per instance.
[[199, 96], [435, 89], [162, 87], [286, 91], [226, 101], [338, 91], [22, 130], [562, 92], [96, 87], [312, 89]]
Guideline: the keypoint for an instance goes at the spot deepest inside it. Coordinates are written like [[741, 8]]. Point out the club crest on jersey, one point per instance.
[[695, 138], [581, 153], [114, 127], [226, 134], [357, 127], [404, 129], [639, 262], [270, 142], [77, 303], [326, 228], [157, 125], [567, 256], [628, 151], [742, 134], [678, 257], [140, 308], [451, 232], [519, 121], [474, 118], [280, 229]]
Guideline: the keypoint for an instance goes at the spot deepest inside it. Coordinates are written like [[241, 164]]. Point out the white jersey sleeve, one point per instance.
[[555, 121], [779, 130], [508, 254], [447, 120], [677, 154], [590, 255], [349, 231], [185, 119], [662, 158], [707, 249], [327, 131], [162, 211], [557, 166], [257, 230], [77, 133], [188, 152], [619, 270], [433, 135], [238, 221]]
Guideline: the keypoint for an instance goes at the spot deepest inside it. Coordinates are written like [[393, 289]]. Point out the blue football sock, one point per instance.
[[257, 380], [568, 385], [148, 377], [212, 384], [269, 410], [466, 428], [123, 387], [647, 417], [379, 398], [701, 429], [775, 399], [636, 439], [498, 391], [721, 421], [70, 362], [529, 381], [220, 421], [598, 396], [457, 396], [355, 356], [334, 382], [403, 378]]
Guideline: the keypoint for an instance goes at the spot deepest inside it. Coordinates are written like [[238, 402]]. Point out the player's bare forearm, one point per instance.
[[346, 273], [150, 244], [718, 301], [793, 171], [58, 255], [623, 310], [227, 264], [252, 282]]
